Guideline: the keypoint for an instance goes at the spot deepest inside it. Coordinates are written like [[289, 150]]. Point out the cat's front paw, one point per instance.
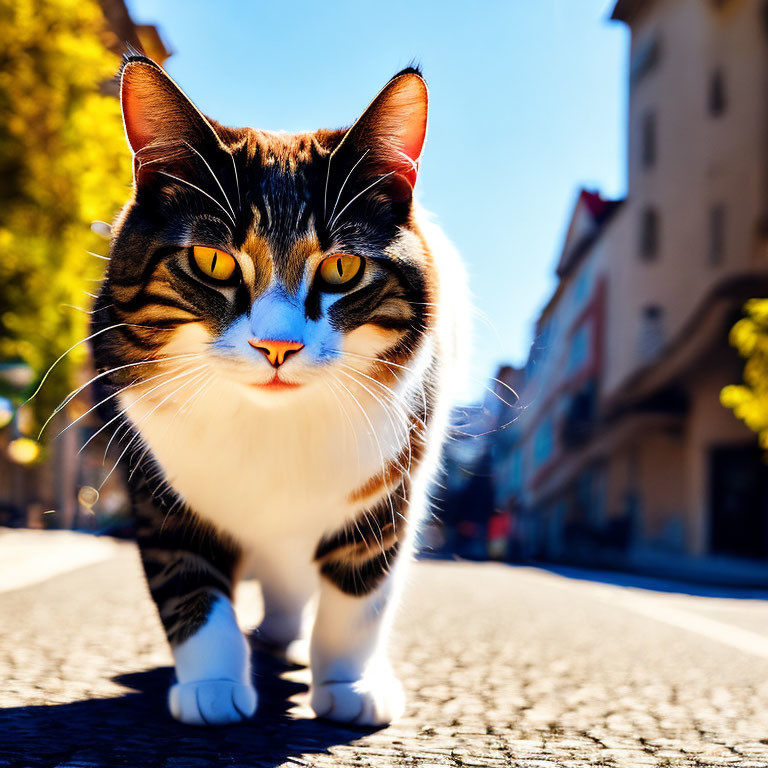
[[297, 652], [363, 702], [212, 702]]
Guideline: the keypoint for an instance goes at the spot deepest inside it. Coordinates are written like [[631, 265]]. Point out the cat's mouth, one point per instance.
[[276, 383]]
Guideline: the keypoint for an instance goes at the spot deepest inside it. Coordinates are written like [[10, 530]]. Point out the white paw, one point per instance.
[[297, 652], [363, 702], [212, 702]]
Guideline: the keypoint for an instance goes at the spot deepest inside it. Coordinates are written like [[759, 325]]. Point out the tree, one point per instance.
[[64, 163], [749, 401]]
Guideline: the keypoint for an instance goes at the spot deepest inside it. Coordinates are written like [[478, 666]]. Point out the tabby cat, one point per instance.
[[275, 336]]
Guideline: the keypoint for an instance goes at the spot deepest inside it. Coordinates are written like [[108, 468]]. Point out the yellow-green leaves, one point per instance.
[[749, 401], [64, 163]]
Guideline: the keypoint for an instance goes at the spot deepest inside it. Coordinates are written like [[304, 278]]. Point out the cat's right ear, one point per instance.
[[158, 116]]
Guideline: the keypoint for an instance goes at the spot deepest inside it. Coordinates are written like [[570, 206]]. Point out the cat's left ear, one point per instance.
[[390, 135], [160, 119]]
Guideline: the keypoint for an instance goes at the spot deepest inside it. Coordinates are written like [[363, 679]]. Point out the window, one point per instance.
[[649, 140], [515, 473], [652, 312], [578, 352], [651, 332], [717, 99], [645, 59], [716, 234], [649, 234], [544, 335], [543, 442], [581, 289]]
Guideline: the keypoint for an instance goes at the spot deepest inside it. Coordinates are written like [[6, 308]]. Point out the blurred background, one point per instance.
[[602, 167]]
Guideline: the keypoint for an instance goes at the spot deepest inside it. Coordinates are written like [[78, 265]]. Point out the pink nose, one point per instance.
[[276, 351]]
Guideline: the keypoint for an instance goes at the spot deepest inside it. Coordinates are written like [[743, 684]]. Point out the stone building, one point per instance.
[[622, 451]]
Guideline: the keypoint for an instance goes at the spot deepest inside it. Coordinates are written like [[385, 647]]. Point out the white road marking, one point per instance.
[[657, 607], [30, 557]]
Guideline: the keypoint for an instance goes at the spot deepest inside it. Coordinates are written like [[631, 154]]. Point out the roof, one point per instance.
[[590, 215], [624, 10], [152, 42], [143, 37], [594, 203]]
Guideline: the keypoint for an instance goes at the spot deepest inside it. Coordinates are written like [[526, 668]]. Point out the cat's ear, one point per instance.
[[390, 134], [158, 116]]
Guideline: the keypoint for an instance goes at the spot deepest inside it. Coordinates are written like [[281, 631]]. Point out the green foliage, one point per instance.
[[749, 401], [64, 163]]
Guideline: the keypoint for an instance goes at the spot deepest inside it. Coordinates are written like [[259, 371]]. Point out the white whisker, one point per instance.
[[134, 383], [349, 421], [325, 192], [341, 189], [388, 412], [506, 386], [420, 380], [301, 212], [187, 404], [68, 399], [215, 178], [62, 356], [136, 427], [387, 391], [370, 186], [237, 183], [138, 462], [79, 309], [139, 399], [365, 416], [392, 401], [202, 192], [374, 360]]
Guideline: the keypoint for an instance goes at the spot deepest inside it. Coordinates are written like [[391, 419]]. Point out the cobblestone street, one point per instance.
[[503, 667]]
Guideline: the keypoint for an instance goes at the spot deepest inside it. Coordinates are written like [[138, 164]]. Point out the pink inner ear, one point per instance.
[[138, 96], [409, 110], [412, 142], [137, 127], [413, 136]]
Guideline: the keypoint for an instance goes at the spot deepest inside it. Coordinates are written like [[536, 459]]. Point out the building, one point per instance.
[[622, 453], [121, 31]]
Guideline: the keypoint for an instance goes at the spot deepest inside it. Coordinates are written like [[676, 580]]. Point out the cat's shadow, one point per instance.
[[136, 730]]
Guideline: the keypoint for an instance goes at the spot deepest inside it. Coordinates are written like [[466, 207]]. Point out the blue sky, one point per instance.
[[527, 104]]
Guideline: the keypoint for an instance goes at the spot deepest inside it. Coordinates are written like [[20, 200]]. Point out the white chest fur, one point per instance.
[[260, 473]]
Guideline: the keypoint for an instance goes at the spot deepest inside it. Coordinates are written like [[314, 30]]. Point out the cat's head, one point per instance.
[[279, 261]]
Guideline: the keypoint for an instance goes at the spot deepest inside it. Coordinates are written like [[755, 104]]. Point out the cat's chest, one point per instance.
[[263, 472]]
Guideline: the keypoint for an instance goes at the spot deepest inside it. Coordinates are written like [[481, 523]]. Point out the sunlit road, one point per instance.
[[504, 667]]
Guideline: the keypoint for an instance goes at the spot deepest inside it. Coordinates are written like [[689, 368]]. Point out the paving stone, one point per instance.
[[503, 667]]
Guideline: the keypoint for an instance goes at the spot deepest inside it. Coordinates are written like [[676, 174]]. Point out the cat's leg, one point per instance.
[[190, 571], [287, 584], [352, 680]]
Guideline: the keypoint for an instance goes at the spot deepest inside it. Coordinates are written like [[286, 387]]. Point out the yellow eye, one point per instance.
[[213, 263], [340, 268]]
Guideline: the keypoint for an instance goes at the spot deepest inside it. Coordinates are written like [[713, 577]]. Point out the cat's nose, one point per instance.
[[276, 351]]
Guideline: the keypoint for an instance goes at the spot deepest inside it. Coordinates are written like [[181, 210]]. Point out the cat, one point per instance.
[[276, 340]]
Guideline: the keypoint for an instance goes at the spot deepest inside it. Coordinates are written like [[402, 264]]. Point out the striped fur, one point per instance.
[[328, 475]]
